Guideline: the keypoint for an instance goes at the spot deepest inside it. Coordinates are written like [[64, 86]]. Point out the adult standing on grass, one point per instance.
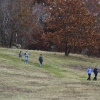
[[89, 71], [20, 55], [40, 59], [26, 56], [95, 73]]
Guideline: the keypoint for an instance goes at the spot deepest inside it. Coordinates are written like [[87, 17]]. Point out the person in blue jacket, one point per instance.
[[95, 73], [26, 56], [89, 71]]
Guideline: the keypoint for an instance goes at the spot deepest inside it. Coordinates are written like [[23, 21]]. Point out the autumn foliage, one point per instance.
[[69, 25]]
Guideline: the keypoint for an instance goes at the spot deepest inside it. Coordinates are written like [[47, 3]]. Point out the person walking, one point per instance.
[[89, 71], [26, 56], [20, 55], [40, 59], [95, 73]]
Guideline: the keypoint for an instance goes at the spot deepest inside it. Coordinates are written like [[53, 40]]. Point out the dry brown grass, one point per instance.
[[20, 81]]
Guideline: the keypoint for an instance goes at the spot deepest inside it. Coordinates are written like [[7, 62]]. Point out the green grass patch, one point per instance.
[[58, 78]]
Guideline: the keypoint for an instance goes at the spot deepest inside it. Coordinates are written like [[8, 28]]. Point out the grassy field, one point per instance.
[[60, 77]]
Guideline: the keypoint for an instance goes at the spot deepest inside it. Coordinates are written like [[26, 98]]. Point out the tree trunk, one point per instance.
[[11, 40], [66, 49]]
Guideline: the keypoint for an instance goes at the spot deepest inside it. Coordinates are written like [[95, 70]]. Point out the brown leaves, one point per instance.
[[72, 23]]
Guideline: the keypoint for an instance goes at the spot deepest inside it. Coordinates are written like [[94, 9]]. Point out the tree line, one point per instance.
[[62, 25]]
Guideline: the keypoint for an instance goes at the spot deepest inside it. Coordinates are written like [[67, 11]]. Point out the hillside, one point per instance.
[[60, 77]]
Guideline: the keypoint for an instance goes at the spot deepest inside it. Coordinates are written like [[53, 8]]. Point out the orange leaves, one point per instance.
[[70, 22]]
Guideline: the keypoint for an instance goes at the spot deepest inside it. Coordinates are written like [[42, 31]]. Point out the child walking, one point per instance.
[[26, 56], [89, 71], [20, 55], [40, 59]]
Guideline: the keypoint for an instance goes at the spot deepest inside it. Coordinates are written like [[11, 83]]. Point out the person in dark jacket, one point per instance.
[[40, 59], [95, 73]]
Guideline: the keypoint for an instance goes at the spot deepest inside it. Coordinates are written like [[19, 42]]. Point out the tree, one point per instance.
[[69, 24], [93, 7], [20, 20], [9, 23], [4, 21]]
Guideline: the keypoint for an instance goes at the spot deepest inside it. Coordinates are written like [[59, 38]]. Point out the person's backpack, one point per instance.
[[24, 53]]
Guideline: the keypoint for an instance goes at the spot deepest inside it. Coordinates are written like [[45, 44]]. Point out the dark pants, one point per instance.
[[95, 77], [89, 77], [40, 63]]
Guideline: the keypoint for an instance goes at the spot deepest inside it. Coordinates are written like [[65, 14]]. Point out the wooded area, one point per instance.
[[58, 25]]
